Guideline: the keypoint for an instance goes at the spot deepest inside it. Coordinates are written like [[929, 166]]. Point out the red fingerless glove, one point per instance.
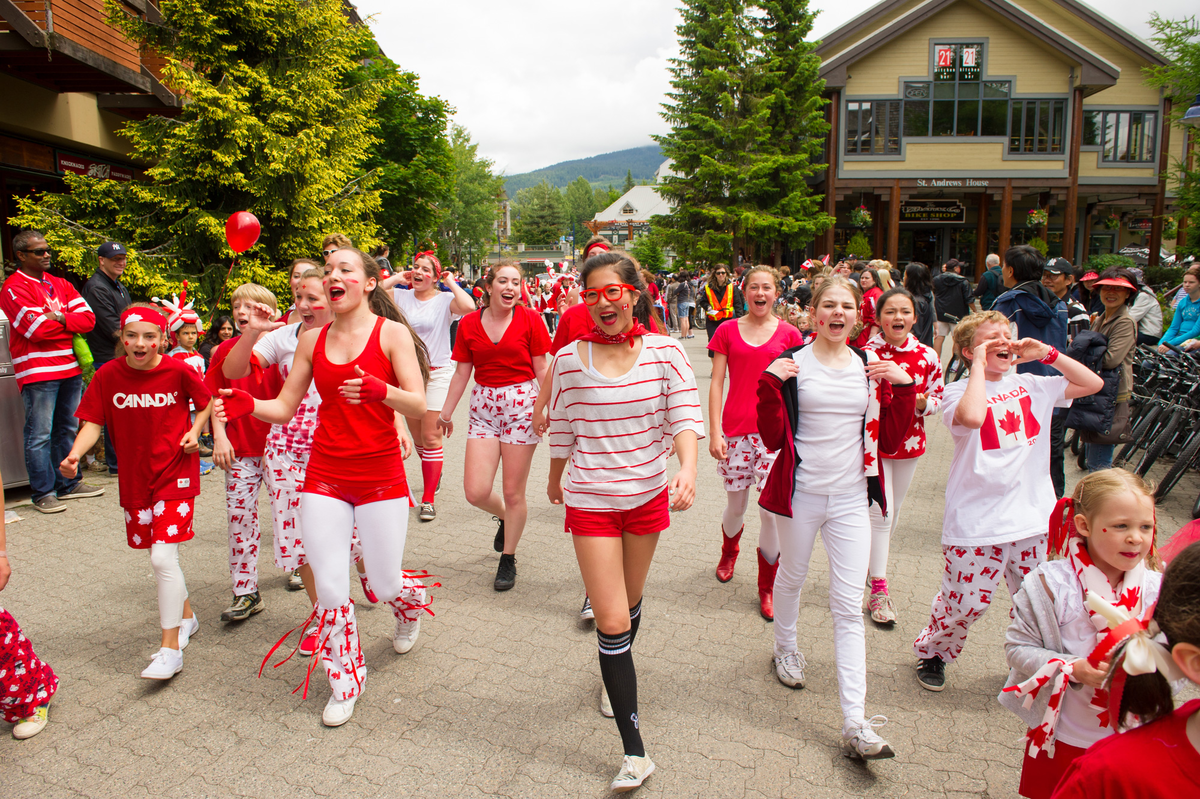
[[372, 390], [237, 405]]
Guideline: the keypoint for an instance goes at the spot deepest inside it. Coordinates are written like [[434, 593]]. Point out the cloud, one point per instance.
[[542, 81]]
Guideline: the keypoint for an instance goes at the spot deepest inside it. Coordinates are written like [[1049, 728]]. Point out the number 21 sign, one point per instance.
[[945, 56]]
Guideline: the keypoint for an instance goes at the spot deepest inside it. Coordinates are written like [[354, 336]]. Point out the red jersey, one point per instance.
[[354, 444], [509, 360], [868, 315], [247, 435], [41, 348], [146, 413], [1156, 761], [922, 365]]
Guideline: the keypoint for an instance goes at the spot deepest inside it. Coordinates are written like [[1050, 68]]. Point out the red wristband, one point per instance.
[[237, 405], [1050, 357]]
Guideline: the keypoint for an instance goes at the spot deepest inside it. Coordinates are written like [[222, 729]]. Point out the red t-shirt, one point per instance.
[[508, 361], [247, 435], [739, 415], [146, 413], [1151, 762]]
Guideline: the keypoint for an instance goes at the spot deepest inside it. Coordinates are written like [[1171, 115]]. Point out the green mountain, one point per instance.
[[599, 170]]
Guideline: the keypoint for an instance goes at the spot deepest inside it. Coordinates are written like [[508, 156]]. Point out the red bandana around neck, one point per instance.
[[600, 337]]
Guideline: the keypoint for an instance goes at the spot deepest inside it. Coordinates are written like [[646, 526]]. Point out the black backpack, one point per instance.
[[1093, 413]]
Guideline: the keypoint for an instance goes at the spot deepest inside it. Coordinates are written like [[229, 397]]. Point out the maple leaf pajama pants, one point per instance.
[[970, 581], [26, 683]]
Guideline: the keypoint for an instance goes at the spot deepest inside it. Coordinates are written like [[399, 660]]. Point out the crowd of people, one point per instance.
[[821, 386]]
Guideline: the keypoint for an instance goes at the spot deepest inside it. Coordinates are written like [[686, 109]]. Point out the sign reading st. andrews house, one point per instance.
[[932, 211]]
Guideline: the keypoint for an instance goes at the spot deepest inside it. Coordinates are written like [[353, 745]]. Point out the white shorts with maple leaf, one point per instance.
[[504, 412], [747, 462]]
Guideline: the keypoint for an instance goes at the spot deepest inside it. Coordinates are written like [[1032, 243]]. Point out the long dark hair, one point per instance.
[[898, 291], [381, 304], [917, 280], [628, 271], [213, 336], [489, 278], [1148, 696]]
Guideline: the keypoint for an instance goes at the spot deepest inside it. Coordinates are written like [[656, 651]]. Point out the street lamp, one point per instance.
[[1192, 116]]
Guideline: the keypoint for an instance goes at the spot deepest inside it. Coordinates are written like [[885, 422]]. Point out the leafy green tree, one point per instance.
[[606, 197], [859, 245], [745, 124], [649, 252], [581, 207], [278, 121], [1179, 41], [466, 227], [539, 214], [411, 160], [628, 180]]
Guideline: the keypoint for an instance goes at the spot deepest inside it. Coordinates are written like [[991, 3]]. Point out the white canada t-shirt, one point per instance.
[[431, 321], [999, 488], [829, 432], [278, 348]]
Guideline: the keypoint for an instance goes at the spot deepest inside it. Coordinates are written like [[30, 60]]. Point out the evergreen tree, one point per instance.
[[628, 180], [745, 116], [581, 207], [278, 121], [539, 214], [649, 253], [467, 226]]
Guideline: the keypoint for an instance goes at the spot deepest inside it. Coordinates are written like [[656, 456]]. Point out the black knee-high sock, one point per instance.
[[635, 619], [620, 680]]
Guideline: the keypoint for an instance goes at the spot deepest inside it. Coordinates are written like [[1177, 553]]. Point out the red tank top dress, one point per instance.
[[356, 452]]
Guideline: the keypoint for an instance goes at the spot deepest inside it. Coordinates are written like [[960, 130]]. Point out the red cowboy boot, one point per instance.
[[766, 586], [729, 553]]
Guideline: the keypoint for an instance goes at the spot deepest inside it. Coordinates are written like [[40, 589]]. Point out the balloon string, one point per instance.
[[221, 293]]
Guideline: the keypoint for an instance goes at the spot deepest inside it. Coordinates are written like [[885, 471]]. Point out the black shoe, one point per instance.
[[931, 673], [498, 542], [243, 607], [506, 573]]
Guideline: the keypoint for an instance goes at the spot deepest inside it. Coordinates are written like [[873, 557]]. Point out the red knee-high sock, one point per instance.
[[431, 472]]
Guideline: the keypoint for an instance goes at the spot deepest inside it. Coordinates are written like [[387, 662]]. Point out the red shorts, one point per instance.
[[356, 494], [167, 521], [1039, 776], [653, 517]]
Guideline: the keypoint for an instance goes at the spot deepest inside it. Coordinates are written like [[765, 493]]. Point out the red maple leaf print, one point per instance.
[[868, 459], [1128, 599], [1010, 423], [873, 429]]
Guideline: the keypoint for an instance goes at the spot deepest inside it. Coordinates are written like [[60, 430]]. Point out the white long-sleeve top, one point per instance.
[[614, 430]]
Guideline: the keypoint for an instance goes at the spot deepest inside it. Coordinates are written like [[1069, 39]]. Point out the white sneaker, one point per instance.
[[586, 611], [405, 636], [188, 628], [861, 741], [338, 711], [634, 771], [789, 669], [165, 665], [605, 705]]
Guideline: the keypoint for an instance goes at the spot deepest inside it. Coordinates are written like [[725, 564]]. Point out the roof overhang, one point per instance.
[[1096, 72]]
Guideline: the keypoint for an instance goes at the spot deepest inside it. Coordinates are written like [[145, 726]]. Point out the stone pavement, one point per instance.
[[499, 697]]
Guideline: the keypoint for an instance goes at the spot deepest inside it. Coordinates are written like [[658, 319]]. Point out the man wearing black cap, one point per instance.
[[1058, 275], [107, 297]]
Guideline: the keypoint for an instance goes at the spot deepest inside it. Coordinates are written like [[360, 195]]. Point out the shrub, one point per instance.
[[859, 245], [1039, 244], [1098, 263]]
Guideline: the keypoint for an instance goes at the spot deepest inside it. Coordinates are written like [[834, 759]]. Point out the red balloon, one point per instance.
[[242, 230]]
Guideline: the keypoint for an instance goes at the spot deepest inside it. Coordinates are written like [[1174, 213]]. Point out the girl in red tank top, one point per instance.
[[368, 366]]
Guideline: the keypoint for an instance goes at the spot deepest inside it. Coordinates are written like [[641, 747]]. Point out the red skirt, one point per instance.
[[27, 682], [1040, 775]]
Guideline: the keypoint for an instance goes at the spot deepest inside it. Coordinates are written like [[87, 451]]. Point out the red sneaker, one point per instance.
[[308, 644]]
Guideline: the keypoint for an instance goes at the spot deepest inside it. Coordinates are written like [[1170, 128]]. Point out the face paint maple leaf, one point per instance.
[[1010, 423]]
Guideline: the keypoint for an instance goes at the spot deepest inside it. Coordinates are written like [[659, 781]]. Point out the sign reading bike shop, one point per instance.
[[918, 211]]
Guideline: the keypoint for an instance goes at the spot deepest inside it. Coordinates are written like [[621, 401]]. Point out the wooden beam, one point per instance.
[[831, 170], [981, 233], [22, 24], [1160, 197], [1071, 212], [877, 230], [893, 243], [1089, 219], [1006, 217]]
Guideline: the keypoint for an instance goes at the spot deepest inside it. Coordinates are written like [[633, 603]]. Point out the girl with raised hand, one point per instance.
[[1106, 530], [829, 409], [143, 401], [619, 396], [430, 311], [897, 311], [367, 366], [505, 345], [746, 347]]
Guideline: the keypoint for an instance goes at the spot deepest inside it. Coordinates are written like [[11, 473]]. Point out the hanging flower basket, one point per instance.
[[1037, 217], [860, 216], [1112, 222]]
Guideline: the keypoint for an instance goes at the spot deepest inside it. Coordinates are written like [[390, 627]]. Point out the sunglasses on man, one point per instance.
[[39, 252]]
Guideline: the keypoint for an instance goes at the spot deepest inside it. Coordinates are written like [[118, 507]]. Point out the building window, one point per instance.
[[1123, 136], [873, 127], [957, 102], [1037, 126]]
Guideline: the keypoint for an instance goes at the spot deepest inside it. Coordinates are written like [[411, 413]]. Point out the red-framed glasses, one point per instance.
[[612, 292]]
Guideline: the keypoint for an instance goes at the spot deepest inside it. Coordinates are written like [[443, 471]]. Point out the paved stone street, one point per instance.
[[499, 697]]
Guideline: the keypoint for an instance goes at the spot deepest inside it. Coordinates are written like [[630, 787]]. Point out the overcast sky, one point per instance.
[[520, 73]]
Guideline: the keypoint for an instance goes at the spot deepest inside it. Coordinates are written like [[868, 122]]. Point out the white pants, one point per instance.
[[241, 508], [328, 525], [172, 590], [897, 477], [845, 530]]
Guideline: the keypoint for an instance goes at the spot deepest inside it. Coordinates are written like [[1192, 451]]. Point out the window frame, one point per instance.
[[1124, 123], [871, 135]]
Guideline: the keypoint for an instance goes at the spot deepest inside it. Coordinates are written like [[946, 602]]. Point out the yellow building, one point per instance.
[[953, 119]]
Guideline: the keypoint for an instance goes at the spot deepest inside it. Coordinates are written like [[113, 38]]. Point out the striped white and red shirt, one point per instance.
[[41, 347], [616, 431]]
